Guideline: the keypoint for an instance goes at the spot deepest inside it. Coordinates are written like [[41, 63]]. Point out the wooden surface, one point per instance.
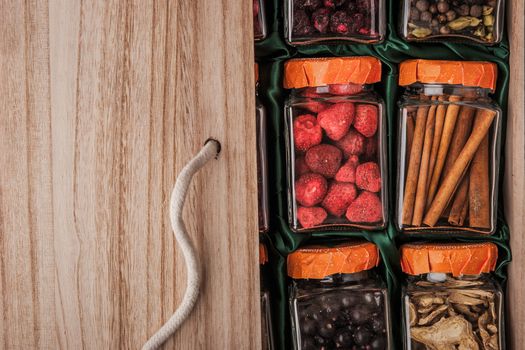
[[101, 104], [514, 187]]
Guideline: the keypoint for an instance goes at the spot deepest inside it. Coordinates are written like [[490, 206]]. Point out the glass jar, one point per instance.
[[259, 20], [479, 21], [266, 314], [332, 21], [262, 159], [336, 298], [448, 150], [336, 144], [450, 300]]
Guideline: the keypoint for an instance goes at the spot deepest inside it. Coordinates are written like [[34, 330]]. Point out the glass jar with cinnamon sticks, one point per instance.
[[448, 147]]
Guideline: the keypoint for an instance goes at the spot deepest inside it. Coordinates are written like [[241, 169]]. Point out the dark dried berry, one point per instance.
[[333, 3], [321, 19], [340, 23], [301, 23], [310, 5]]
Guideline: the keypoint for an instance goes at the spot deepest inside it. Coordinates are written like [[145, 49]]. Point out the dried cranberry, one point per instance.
[[255, 8], [333, 3], [357, 21], [367, 6], [340, 23], [321, 19], [310, 5], [301, 23]]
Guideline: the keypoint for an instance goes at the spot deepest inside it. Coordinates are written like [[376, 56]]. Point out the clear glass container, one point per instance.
[[266, 314], [332, 21], [446, 312], [262, 167], [336, 183], [448, 159], [479, 21], [259, 20], [340, 311]]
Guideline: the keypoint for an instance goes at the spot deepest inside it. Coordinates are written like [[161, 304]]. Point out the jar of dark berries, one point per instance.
[[259, 20], [266, 314], [478, 21], [332, 21], [262, 159], [336, 144], [448, 150], [451, 300], [337, 301]]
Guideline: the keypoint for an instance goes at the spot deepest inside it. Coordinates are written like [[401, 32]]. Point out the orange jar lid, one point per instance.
[[317, 262], [311, 72], [263, 254], [457, 259], [467, 73]]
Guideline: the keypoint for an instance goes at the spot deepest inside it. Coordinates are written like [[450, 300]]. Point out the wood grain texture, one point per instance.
[[102, 103], [514, 182]]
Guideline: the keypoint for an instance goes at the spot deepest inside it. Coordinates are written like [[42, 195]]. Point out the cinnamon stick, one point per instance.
[[455, 218], [484, 118], [421, 192], [479, 192], [414, 165], [438, 130], [448, 130], [463, 216]]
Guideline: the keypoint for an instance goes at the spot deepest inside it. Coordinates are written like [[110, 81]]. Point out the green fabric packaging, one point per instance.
[[271, 55]]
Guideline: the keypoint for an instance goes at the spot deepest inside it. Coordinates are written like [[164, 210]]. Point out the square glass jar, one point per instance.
[[266, 314], [478, 21], [262, 168], [259, 20], [448, 158], [333, 21]]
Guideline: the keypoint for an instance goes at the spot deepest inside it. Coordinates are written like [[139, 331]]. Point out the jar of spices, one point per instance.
[[331, 21], [259, 20], [450, 300], [336, 298], [336, 144], [448, 151], [266, 314], [478, 21], [262, 159]]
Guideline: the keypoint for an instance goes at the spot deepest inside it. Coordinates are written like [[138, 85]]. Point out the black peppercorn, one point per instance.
[[362, 336], [425, 16], [463, 10], [442, 19], [444, 30], [378, 343], [442, 6], [476, 11], [433, 9], [422, 5], [451, 15], [414, 14]]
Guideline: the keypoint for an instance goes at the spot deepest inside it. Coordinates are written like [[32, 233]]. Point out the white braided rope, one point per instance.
[[178, 196]]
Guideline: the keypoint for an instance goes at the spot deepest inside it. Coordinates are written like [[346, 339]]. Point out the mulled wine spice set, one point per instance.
[[433, 165]]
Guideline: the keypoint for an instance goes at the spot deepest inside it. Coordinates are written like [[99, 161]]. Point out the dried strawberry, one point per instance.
[[347, 172], [368, 177], [324, 159], [352, 143], [321, 19], [311, 217], [339, 196], [336, 119], [344, 89], [306, 132], [315, 106], [365, 208], [301, 167], [366, 119], [310, 189]]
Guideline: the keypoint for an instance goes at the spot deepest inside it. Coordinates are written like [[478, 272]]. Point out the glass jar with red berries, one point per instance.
[[259, 20], [266, 314], [479, 21], [262, 159], [332, 21], [337, 300], [336, 144]]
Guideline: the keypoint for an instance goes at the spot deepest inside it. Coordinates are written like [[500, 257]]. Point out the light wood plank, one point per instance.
[[104, 102]]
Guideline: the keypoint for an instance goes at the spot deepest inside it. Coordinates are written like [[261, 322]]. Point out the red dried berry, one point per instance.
[[315, 106], [352, 143], [366, 119], [306, 132], [357, 21], [345, 89], [311, 217], [339, 196], [333, 3], [347, 172], [324, 159], [301, 167], [336, 119], [368, 177], [310, 189], [340, 22], [321, 19], [365, 208], [301, 23], [370, 148], [255, 8], [309, 5]]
